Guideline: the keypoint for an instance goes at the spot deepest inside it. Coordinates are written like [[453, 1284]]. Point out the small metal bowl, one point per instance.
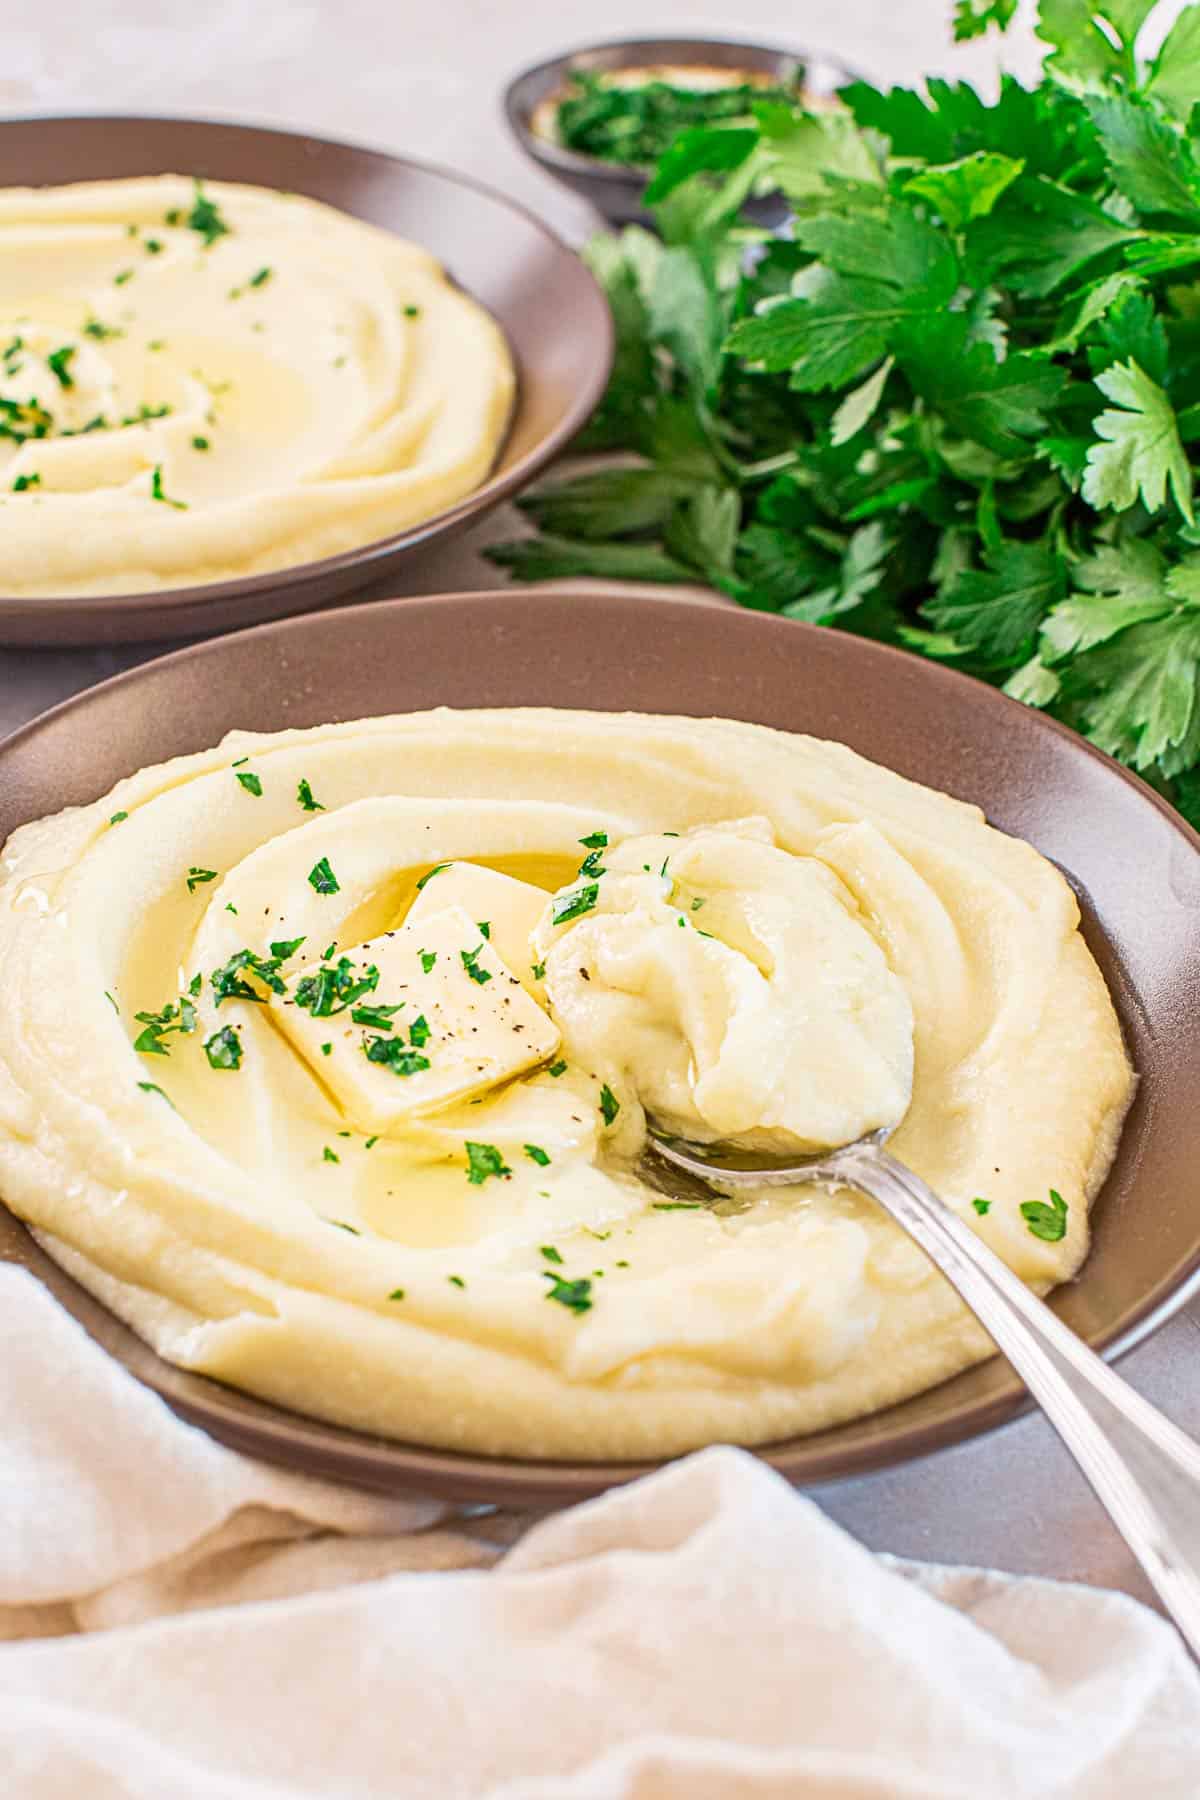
[[615, 189]]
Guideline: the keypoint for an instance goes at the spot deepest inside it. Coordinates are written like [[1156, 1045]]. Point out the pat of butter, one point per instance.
[[509, 908], [472, 1029]]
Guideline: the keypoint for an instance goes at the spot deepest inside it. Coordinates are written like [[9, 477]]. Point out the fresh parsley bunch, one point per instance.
[[949, 403]]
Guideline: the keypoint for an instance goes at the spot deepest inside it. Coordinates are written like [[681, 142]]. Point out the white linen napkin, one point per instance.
[[185, 1624]]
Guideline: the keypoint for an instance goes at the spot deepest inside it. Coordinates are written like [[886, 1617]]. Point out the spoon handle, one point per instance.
[[1144, 1470]]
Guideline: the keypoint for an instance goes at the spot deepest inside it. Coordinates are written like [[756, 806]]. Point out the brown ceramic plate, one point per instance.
[[1135, 866], [551, 310]]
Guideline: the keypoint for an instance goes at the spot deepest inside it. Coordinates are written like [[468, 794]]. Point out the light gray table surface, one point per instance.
[[423, 81]]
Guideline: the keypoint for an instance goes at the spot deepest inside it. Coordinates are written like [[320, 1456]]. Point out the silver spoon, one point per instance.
[[1144, 1470]]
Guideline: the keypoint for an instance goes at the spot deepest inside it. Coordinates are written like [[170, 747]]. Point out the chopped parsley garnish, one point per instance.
[[322, 878], [982, 1206], [23, 483], [152, 1087], [21, 420], [539, 971], [551, 1254], [228, 983], [1046, 1222], [429, 875], [456, 1281], [412, 312], [697, 903], [173, 1017], [371, 1142], [157, 344], [428, 958], [610, 1106], [396, 1294], [59, 364], [143, 416], [205, 218], [197, 878], [304, 795], [156, 490], [250, 781], [418, 1032], [224, 1049], [326, 1049], [282, 948], [574, 903], [536, 1154], [557, 1068], [200, 443], [124, 276], [328, 1155], [112, 1002], [638, 122], [95, 328], [679, 1206], [329, 949], [117, 818], [231, 908], [154, 246], [484, 926], [341, 1225], [391, 1053], [379, 1016], [595, 840], [260, 278], [335, 986], [575, 1295], [470, 962], [484, 1160]]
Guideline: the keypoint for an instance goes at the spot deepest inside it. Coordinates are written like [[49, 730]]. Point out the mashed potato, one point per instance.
[[205, 381], [325, 1057]]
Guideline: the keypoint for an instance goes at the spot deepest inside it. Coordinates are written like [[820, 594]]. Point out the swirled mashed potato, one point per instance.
[[324, 1057], [200, 382]]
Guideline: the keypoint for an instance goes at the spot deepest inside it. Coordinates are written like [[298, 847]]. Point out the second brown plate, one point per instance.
[[549, 307], [1135, 865]]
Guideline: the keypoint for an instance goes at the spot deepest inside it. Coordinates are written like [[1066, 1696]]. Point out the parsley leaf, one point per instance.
[[205, 217], [390, 1053], [610, 1106], [1139, 451], [224, 1049], [576, 1296], [304, 795], [573, 902], [1048, 1222], [484, 1160], [972, 18], [322, 878], [470, 962]]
